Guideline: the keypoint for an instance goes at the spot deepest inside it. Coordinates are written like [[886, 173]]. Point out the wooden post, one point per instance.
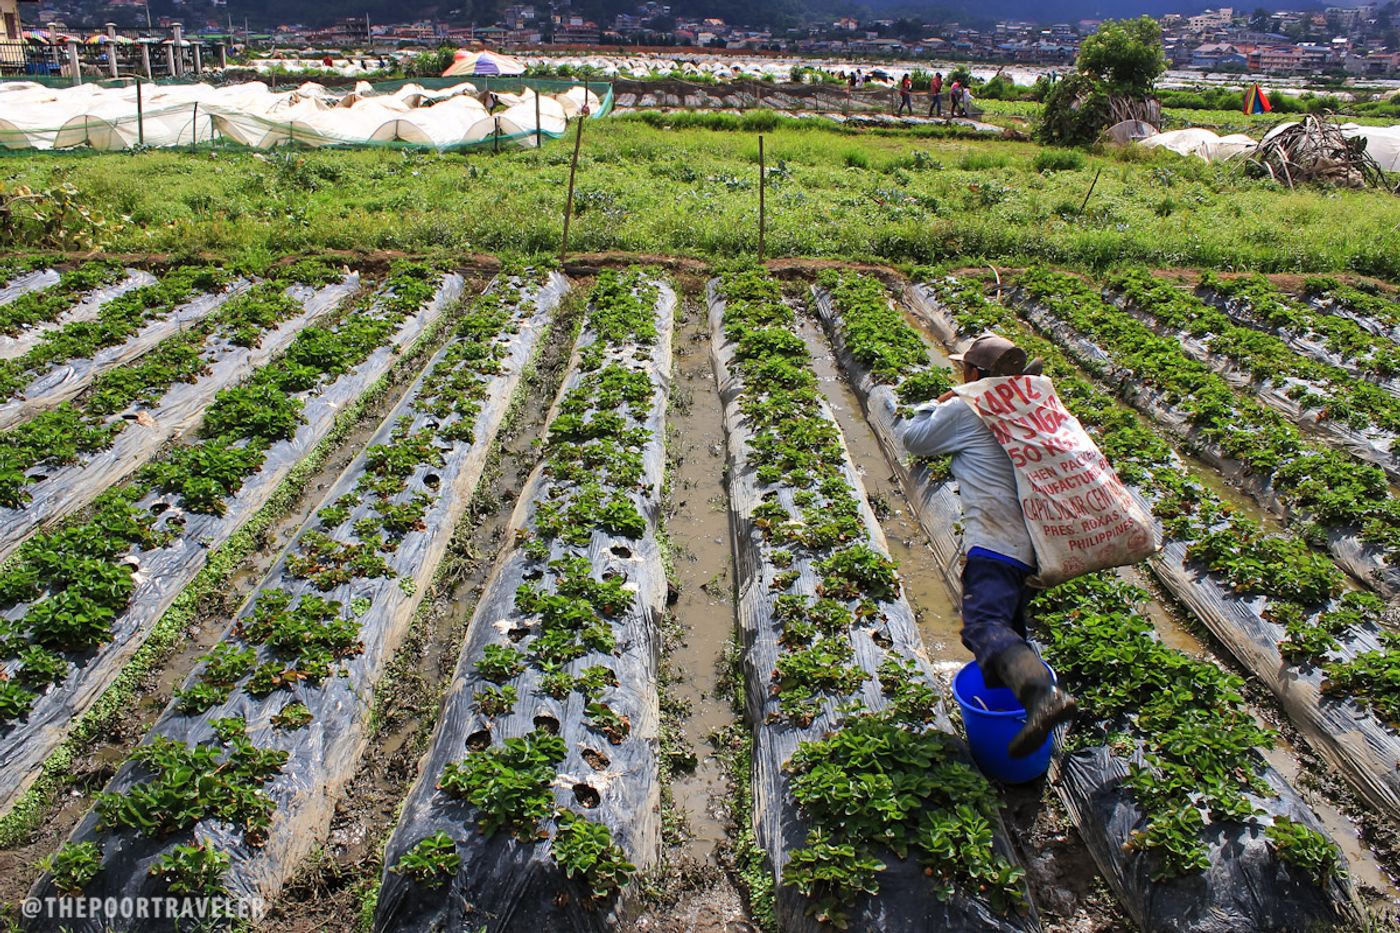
[[111, 34], [762, 205], [146, 60], [140, 115], [74, 65], [539, 130], [496, 138], [569, 204], [194, 128], [198, 59]]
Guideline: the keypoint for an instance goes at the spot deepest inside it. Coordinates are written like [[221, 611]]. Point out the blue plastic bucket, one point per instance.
[[992, 717]]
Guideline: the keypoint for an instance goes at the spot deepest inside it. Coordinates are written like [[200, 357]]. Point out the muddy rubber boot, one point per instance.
[[1021, 669]]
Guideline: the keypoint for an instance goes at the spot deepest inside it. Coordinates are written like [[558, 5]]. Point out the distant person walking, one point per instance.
[[906, 96], [935, 88], [954, 98]]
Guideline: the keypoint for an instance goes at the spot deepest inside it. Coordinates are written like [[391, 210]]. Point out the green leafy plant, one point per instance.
[[433, 861], [73, 866], [585, 850], [193, 870], [509, 784]]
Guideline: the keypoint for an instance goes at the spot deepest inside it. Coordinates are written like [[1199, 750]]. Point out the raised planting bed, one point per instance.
[[61, 460], [88, 593], [1271, 601], [539, 796], [22, 277], [1369, 307], [77, 296], [1333, 339], [65, 361], [1344, 410], [1325, 492], [1164, 776], [865, 801], [275, 718]]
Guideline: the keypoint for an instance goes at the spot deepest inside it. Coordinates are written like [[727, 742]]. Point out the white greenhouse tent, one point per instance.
[[33, 116]]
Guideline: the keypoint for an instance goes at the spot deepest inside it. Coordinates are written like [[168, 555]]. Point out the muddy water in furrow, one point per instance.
[[923, 581], [697, 523]]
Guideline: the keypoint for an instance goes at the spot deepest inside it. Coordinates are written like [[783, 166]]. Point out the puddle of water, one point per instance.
[[937, 614], [698, 520]]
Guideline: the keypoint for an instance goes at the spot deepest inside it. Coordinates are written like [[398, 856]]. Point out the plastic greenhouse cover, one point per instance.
[[253, 115], [85, 310], [906, 900], [60, 491], [1365, 562], [325, 753], [63, 381], [162, 573], [1247, 887], [503, 884]]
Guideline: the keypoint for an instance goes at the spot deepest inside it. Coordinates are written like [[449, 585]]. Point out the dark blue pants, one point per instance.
[[993, 610]]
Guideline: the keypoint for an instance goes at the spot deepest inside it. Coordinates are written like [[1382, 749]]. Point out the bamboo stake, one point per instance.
[[569, 204], [762, 199]]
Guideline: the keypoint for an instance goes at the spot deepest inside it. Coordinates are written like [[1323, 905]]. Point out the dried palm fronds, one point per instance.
[[1315, 151]]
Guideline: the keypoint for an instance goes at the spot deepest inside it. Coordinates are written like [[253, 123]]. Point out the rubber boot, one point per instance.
[[1021, 669]]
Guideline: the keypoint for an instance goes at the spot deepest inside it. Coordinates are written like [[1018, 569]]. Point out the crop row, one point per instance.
[[128, 412], [1347, 410], [117, 321], [865, 802], [1270, 599], [21, 276], [1366, 305], [1324, 490], [46, 305], [556, 802], [1327, 335], [1322, 482], [242, 770], [79, 600], [1195, 790]]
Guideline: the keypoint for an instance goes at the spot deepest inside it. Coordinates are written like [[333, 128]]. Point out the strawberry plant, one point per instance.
[[189, 783], [73, 866], [432, 862], [509, 783], [500, 663], [45, 305], [1303, 846], [585, 850], [495, 701], [192, 870], [292, 716]]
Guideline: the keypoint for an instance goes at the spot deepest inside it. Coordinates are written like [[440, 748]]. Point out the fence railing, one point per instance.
[[75, 62]]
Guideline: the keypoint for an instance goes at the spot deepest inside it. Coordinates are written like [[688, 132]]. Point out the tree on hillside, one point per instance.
[[1114, 73], [1126, 55]]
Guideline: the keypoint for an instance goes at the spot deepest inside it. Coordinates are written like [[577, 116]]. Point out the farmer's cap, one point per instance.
[[994, 355]]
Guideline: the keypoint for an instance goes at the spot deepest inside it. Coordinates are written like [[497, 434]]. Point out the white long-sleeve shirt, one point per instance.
[[992, 516]]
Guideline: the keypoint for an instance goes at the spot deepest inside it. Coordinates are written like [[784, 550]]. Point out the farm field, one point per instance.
[[361, 559]]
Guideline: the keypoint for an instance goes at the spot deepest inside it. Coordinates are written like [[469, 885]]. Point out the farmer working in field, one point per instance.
[[1000, 555]]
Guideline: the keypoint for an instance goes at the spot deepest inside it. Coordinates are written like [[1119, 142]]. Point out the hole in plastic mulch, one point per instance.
[[596, 759], [619, 550], [588, 797], [517, 633], [158, 508], [547, 723], [432, 481], [479, 740], [533, 574]]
